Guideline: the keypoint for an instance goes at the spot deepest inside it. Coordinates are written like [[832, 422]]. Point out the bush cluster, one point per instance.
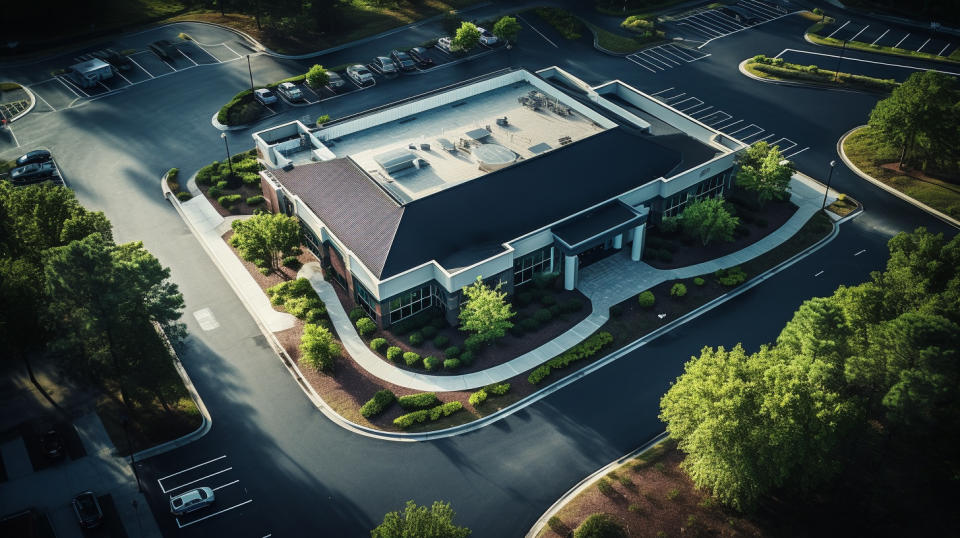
[[478, 397], [255, 200], [418, 322], [583, 350], [415, 338], [393, 353], [356, 313], [636, 23], [410, 358], [431, 363], [229, 200], [378, 404], [365, 326], [421, 400], [441, 341], [678, 290], [466, 358], [442, 410], [646, 299], [240, 110], [451, 364], [733, 276], [699, 281], [429, 332], [564, 22], [292, 262], [298, 298], [378, 344], [777, 67], [451, 352]]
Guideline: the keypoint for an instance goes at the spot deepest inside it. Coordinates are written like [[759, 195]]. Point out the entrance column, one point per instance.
[[618, 241], [570, 272], [637, 248]]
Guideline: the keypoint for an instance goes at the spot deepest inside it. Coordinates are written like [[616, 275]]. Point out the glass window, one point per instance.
[[310, 239], [538, 261], [413, 301], [365, 299]]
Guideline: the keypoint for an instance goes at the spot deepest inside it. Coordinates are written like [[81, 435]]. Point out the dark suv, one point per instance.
[[164, 49], [35, 156], [33, 173], [403, 60], [87, 509]]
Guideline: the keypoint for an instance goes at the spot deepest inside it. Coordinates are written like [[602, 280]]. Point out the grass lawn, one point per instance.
[[802, 73], [148, 426], [621, 43], [813, 34], [869, 155]]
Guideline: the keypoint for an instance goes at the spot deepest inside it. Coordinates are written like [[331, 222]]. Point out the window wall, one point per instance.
[[413, 301], [528, 265], [365, 299]]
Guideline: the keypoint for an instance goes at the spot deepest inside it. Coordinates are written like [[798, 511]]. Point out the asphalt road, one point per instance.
[[302, 474]]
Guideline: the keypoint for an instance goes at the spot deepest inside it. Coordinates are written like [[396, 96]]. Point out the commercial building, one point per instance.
[[515, 174]]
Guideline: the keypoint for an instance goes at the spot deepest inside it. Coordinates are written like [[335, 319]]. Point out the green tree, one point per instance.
[[600, 526], [506, 28], [317, 77], [320, 349], [707, 220], [466, 38], [765, 172], [486, 311], [420, 522], [265, 239]]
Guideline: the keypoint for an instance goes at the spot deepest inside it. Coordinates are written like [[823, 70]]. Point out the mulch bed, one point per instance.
[[686, 252], [242, 208], [655, 498]]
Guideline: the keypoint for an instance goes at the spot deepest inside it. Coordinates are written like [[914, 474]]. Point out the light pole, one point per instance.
[[836, 72], [227, 145], [250, 70], [133, 464], [829, 176]]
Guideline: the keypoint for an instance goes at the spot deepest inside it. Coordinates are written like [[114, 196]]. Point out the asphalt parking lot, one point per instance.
[[874, 33], [710, 24], [891, 68]]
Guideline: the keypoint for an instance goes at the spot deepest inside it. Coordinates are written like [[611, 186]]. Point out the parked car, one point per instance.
[[87, 509], [33, 173], [164, 49], [487, 38], [291, 91], [420, 55], [114, 58], [444, 44], [403, 60], [52, 444], [195, 499], [35, 156], [384, 64], [334, 80], [360, 74], [265, 96]]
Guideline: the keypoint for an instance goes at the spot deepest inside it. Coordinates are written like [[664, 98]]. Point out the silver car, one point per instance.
[[187, 502], [385, 65], [360, 74], [335, 81]]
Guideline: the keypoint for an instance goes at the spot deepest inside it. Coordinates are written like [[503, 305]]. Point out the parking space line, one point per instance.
[[841, 28], [651, 58], [141, 67], [183, 525], [168, 64], [728, 125], [70, 86], [233, 51], [674, 97], [661, 91], [641, 65], [747, 127], [15, 141], [699, 102], [692, 112], [795, 153], [881, 36], [897, 46], [852, 59], [854, 38], [943, 49], [709, 31], [205, 51], [124, 78], [715, 121], [190, 469], [924, 44], [195, 481], [44, 100], [225, 485], [675, 54], [187, 57], [660, 54], [742, 29], [762, 139], [762, 9], [793, 144], [721, 21], [538, 31], [105, 87]]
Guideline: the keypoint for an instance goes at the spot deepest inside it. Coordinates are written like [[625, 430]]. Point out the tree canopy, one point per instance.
[[707, 220], [467, 37], [420, 522], [506, 28], [317, 76], [320, 349], [486, 311], [765, 172], [880, 356], [265, 239]]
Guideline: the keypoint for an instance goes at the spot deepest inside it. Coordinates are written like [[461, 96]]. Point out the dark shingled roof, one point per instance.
[[484, 212]]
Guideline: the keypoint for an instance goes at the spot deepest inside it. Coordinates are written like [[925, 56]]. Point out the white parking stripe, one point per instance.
[[699, 102], [641, 65], [852, 59], [124, 78], [901, 41], [190, 468], [944, 48], [195, 481], [225, 485], [538, 31], [661, 54], [141, 67], [72, 87], [655, 58], [924, 44], [187, 57], [680, 53], [854, 38], [15, 141], [795, 153], [710, 25], [44, 100], [727, 126], [722, 21], [758, 7], [881, 36], [182, 525], [233, 51], [841, 28], [665, 99], [703, 29], [661, 91], [702, 110], [762, 139], [782, 149], [747, 127]]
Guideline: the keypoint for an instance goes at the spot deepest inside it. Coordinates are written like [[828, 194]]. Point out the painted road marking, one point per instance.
[[841, 28], [924, 44], [854, 38], [901, 41], [68, 86], [943, 49], [795, 153], [15, 141], [742, 29], [187, 57], [860, 252], [225, 485], [537, 31], [846, 58], [206, 319], [693, 112], [182, 525], [197, 480], [818, 274], [661, 91], [149, 74], [727, 126], [44, 100], [233, 51], [190, 469], [881, 36], [641, 65]]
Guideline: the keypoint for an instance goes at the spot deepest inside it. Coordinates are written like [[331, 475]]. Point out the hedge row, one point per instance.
[[378, 404], [421, 400], [442, 410], [778, 68], [564, 22], [242, 109], [583, 350], [496, 389]]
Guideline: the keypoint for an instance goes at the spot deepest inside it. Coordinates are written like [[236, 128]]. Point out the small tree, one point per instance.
[[646, 299], [266, 238], [678, 290], [420, 522], [467, 37], [486, 311], [319, 348], [708, 220], [506, 28], [765, 172], [317, 76]]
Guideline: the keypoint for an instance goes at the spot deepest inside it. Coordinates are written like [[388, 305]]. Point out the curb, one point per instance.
[[33, 103], [588, 481], [812, 85], [221, 127], [846, 160]]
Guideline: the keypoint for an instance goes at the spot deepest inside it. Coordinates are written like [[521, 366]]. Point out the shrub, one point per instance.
[[616, 310], [215, 191], [524, 298], [669, 225], [292, 262], [255, 200], [421, 400], [538, 374], [229, 200], [517, 330], [415, 338], [411, 358], [405, 421], [498, 389], [451, 352], [678, 290], [184, 195], [441, 341], [478, 397], [445, 410], [557, 526], [699, 281], [562, 21], [548, 299], [365, 326], [319, 348], [393, 353], [556, 311], [378, 344], [431, 363], [572, 305], [636, 23], [646, 299], [356, 313], [542, 316], [605, 487], [466, 358], [451, 364], [544, 280], [600, 526], [472, 343], [317, 76], [429, 331], [733, 276], [530, 324], [378, 404], [439, 322], [583, 350]]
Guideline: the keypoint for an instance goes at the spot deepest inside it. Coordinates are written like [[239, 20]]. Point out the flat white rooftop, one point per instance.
[[464, 140]]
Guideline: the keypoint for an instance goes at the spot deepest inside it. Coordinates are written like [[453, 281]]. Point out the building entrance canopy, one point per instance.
[[580, 233]]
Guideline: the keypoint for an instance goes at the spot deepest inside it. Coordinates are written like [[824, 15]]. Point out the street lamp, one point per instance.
[[227, 145], [829, 176], [836, 72], [250, 70], [133, 464]]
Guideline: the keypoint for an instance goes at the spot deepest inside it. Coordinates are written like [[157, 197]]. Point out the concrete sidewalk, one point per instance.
[[50, 490]]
